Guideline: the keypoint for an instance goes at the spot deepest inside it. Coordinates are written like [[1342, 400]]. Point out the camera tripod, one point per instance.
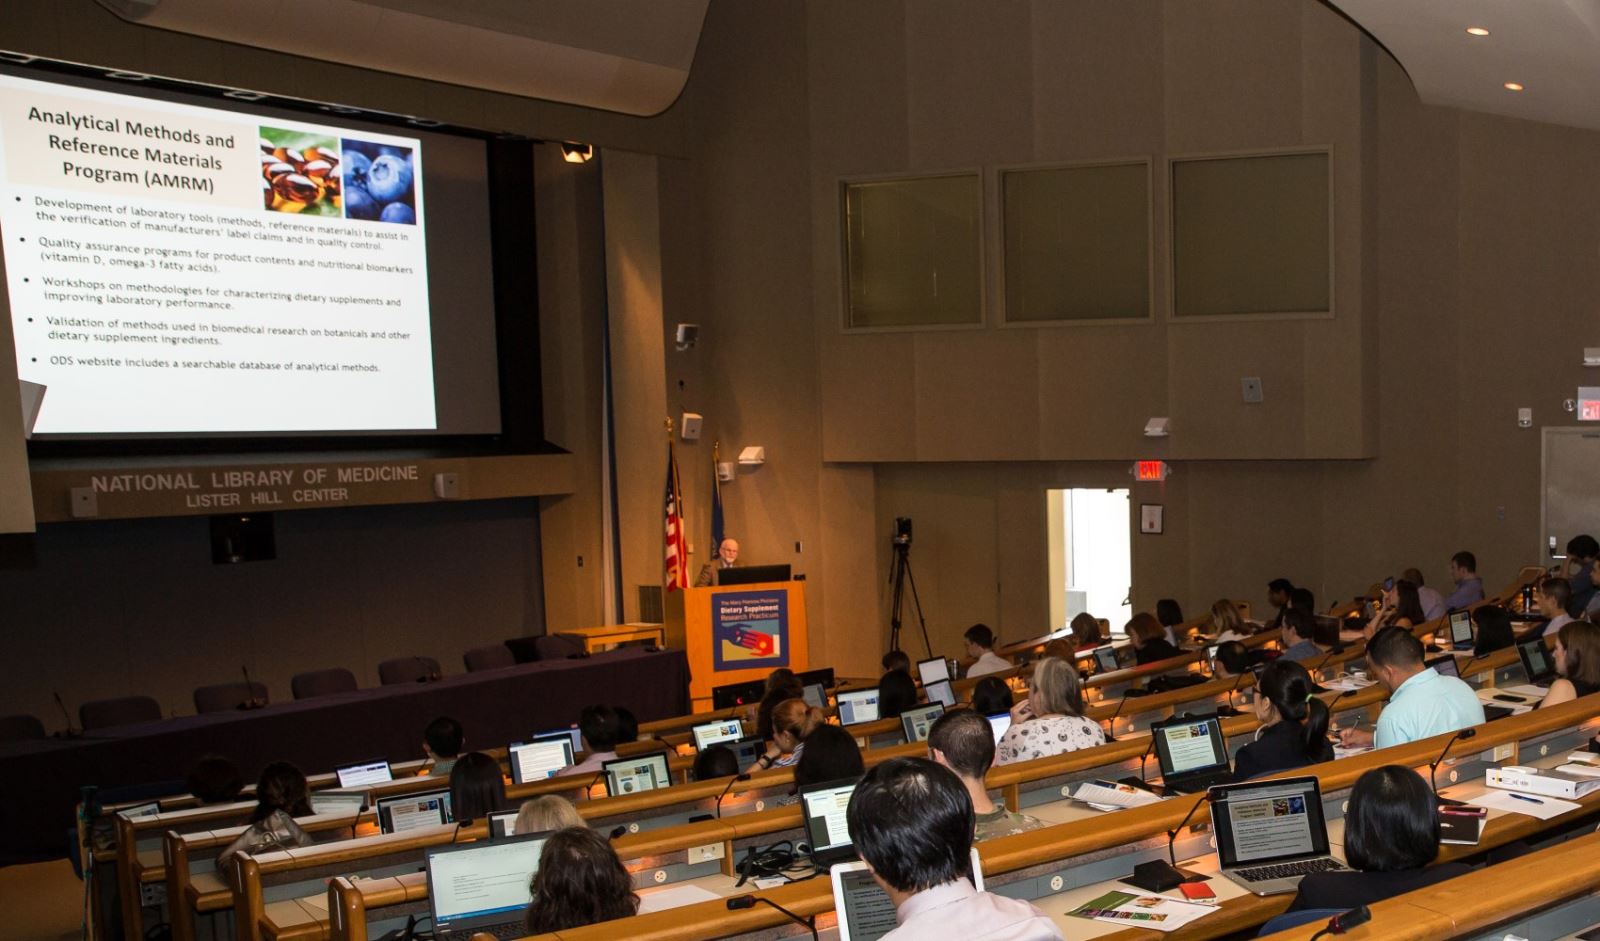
[[900, 576]]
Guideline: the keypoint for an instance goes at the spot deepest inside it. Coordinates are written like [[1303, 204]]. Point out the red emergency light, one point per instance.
[[1150, 470]]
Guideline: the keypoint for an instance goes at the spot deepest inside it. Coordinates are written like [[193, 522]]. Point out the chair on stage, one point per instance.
[[489, 658], [323, 683], [557, 647], [224, 697], [524, 649], [124, 710], [408, 670], [20, 728]]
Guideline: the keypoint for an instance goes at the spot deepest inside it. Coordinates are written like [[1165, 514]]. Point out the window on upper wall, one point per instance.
[[912, 252], [1077, 243], [1252, 235]]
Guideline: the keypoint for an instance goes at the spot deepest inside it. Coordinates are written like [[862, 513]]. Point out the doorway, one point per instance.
[[1568, 471], [1091, 555]]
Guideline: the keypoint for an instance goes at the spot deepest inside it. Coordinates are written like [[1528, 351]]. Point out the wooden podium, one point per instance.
[[739, 633]]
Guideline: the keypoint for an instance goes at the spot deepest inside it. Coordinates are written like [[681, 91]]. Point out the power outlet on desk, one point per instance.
[[153, 894], [1504, 752], [707, 853]]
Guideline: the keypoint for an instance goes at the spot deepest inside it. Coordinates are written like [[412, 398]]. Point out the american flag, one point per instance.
[[677, 545]]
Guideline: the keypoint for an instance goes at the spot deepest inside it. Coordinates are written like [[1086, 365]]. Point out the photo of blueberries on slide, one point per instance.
[[379, 183], [299, 172]]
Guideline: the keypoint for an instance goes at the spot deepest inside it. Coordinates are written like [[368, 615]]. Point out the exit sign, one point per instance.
[[1150, 470], [1589, 403]]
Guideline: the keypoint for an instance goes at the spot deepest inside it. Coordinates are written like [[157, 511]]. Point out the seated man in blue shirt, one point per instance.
[[1299, 627], [1579, 570], [1423, 704], [1469, 587]]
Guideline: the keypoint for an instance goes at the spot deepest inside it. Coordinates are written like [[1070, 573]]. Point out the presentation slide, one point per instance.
[[484, 880], [868, 910], [1190, 746], [1271, 827], [175, 269], [826, 813]]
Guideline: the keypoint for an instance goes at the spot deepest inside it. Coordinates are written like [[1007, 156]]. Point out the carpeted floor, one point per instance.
[[44, 902]]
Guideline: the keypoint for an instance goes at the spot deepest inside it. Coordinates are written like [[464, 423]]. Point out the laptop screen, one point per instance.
[[1536, 661], [934, 670], [368, 772], [414, 811], [815, 695], [336, 802], [939, 691], [502, 823], [482, 883], [1188, 747], [866, 913], [1444, 665], [1461, 627], [858, 706], [633, 775], [998, 723], [1105, 659], [916, 722], [1270, 821], [555, 735], [748, 751], [535, 761], [824, 807], [715, 733]]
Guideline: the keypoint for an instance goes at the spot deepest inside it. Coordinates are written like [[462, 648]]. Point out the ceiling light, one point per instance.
[[1513, 86], [576, 153], [1477, 31]]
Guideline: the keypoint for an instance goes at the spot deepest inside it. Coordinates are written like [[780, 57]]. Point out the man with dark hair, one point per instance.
[[1422, 704], [441, 742], [912, 821], [963, 741], [1582, 551], [980, 647], [1432, 602], [1469, 587], [1553, 595], [1299, 630], [1278, 592], [897, 660], [602, 729]]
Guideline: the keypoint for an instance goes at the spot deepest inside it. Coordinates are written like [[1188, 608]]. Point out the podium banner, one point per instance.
[[751, 629]]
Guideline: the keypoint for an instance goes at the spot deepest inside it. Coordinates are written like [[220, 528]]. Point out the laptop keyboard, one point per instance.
[[504, 932], [1289, 870]]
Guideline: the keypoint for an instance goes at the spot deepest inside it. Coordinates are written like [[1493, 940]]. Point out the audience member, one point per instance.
[[1278, 591], [580, 882], [1391, 834], [1577, 659], [1294, 723], [1149, 639], [897, 692], [281, 796], [726, 558], [912, 821], [717, 761], [991, 696], [477, 788], [1422, 702], [1231, 659], [1299, 629], [830, 754], [1495, 630], [441, 742], [963, 742], [627, 726], [1171, 616], [781, 678], [897, 660], [1552, 596], [785, 690], [1050, 721], [550, 812], [1227, 623], [602, 729], [1085, 631], [1400, 608], [215, 780], [1432, 602], [1061, 647], [1304, 599], [1582, 554], [1468, 586], [980, 647], [793, 721]]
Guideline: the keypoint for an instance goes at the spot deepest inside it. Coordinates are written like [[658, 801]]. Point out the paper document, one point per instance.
[[1541, 807], [673, 896], [1142, 911], [1344, 682], [1107, 795]]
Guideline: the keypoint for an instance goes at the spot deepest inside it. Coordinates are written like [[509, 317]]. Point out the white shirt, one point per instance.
[[990, 662], [592, 764], [1432, 602], [1556, 623], [957, 910]]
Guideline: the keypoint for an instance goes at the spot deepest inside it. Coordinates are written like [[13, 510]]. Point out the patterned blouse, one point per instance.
[[1052, 735]]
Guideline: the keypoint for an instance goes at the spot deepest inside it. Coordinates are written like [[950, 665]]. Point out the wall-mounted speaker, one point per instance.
[[245, 537]]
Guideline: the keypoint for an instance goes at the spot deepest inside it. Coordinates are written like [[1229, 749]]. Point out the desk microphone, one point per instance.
[[1334, 651], [1344, 921], [1159, 875], [735, 780], [1230, 709], [1147, 750], [1111, 724], [749, 901], [1464, 734], [70, 732], [251, 702]]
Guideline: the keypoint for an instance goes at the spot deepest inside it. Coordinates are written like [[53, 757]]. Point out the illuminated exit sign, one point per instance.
[[1588, 403], [1150, 470]]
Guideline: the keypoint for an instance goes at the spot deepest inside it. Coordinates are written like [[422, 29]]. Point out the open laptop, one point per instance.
[[858, 706], [998, 723], [573, 736], [748, 751], [940, 691], [1193, 754], [483, 887], [737, 694], [636, 775], [866, 913], [1461, 630], [502, 823], [917, 721], [414, 811], [1271, 834], [815, 695], [934, 670], [338, 802], [1444, 665], [827, 832], [364, 773], [1537, 664], [535, 761], [823, 675], [715, 733]]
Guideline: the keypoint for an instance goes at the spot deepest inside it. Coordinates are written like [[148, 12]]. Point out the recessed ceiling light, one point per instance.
[[1513, 86], [1477, 31]]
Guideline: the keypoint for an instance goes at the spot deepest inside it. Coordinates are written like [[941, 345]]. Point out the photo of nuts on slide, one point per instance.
[[300, 172], [379, 182]]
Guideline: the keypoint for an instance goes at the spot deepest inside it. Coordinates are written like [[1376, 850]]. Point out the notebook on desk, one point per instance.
[[1271, 834]]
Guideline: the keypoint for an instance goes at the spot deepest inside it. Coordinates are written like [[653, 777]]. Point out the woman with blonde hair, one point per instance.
[[1225, 618], [550, 812], [1578, 661], [1050, 720], [792, 721]]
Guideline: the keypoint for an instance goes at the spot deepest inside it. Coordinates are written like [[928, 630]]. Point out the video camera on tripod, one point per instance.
[[899, 576], [902, 531]]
